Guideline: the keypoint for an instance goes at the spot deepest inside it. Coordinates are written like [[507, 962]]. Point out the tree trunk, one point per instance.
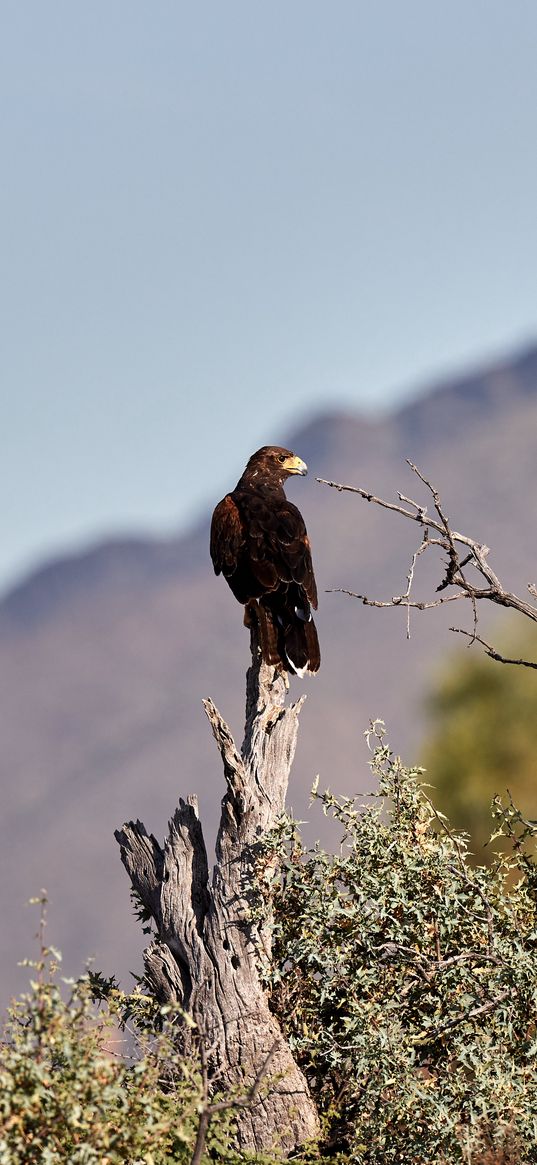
[[209, 951]]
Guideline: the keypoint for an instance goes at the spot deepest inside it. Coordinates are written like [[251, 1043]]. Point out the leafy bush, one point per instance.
[[406, 980], [74, 1090]]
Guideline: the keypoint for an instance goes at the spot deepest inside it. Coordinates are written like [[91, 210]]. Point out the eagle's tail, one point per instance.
[[287, 642], [301, 646]]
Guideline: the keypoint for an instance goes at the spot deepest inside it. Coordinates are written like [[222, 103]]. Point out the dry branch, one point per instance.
[[463, 554], [208, 950]]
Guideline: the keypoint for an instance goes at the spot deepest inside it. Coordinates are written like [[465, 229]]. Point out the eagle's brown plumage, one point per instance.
[[259, 543]]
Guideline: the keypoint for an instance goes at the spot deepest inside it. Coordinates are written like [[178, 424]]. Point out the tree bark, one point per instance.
[[209, 949]]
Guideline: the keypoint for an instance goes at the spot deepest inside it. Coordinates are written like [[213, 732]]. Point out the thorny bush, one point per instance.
[[86, 1083], [406, 979]]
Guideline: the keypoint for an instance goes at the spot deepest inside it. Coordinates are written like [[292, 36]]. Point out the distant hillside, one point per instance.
[[105, 656]]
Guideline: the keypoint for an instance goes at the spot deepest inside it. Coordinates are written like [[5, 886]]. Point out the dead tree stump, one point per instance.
[[209, 949]]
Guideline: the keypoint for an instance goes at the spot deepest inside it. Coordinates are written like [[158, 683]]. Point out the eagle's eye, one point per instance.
[[281, 457]]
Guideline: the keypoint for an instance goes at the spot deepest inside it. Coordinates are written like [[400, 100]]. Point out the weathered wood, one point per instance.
[[209, 950]]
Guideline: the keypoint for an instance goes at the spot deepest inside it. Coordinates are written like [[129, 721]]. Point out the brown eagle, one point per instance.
[[259, 543]]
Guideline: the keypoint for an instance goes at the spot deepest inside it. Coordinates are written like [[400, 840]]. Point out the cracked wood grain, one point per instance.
[[208, 949]]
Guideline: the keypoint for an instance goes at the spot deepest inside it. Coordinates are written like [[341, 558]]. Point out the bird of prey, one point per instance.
[[259, 543]]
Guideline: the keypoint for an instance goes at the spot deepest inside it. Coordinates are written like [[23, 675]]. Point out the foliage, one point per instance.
[[406, 980], [88, 1084], [483, 738]]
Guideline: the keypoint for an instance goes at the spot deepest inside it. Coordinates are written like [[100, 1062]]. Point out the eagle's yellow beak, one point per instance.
[[295, 465]]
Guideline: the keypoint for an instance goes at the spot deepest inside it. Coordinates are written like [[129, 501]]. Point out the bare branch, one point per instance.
[[397, 601], [420, 516], [492, 650], [462, 552]]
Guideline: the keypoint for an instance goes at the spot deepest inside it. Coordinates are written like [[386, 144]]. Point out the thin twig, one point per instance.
[[397, 601], [492, 650], [210, 1109], [434, 1033]]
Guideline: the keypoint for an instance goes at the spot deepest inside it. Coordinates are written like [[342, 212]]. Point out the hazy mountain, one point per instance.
[[105, 656]]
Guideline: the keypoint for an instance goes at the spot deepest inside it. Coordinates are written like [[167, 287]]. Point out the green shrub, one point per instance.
[[88, 1084], [406, 980]]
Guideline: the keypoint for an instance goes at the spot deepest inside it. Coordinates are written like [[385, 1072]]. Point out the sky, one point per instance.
[[219, 219]]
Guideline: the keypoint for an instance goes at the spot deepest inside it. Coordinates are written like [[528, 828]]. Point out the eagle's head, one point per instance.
[[275, 464]]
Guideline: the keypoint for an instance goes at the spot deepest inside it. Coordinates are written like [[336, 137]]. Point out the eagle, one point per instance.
[[260, 544]]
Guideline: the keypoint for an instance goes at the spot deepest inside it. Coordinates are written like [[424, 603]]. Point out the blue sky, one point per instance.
[[219, 218]]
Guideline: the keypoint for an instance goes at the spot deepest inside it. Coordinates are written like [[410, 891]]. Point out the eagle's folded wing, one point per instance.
[[227, 537]]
